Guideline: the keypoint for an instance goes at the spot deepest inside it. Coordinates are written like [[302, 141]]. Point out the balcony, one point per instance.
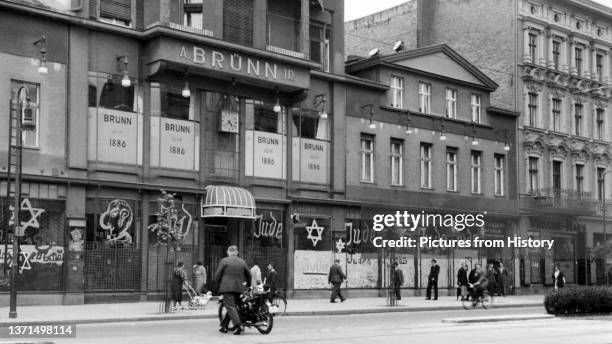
[[558, 201]]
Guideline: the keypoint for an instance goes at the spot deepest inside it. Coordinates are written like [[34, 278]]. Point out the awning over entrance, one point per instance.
[[227, 201]]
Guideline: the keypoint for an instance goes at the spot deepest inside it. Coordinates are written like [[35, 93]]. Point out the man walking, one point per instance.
[[230, 276], [432, 280], [397, 280], [462, 282], [503, 275], [271, 281], [336, 277]]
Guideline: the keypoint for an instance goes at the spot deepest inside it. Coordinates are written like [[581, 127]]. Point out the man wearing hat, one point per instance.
[[336, 277]]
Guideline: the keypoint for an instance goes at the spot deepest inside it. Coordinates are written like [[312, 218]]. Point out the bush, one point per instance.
[[578, 300]]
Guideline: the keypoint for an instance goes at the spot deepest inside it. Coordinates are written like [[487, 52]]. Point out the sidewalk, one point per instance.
[[147, 311]]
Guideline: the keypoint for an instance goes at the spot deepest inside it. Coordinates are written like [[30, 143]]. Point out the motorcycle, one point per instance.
[[254, 310]]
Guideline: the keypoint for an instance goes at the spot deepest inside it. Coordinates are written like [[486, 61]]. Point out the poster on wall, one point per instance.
[[361, 269], [311, 269], [265, 154], [115, 136], [40, 267], [310, 161], [175, 143]]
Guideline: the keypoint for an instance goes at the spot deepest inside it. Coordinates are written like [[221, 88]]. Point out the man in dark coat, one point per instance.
[[397, 280], [503, 279], [473, 277], [271, 280], [432, 280], [231, 275], [336, 277], [462, 281]]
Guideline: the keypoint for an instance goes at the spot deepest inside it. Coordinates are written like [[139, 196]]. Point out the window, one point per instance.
[[579, 178], [476, 171], [397, 92], [174, 105], [283, 29], [533, 109], [425, 165], [451, 170], [578, 60], [533, 47], [424, 97], [578, 119], [265, 119], [599, 125], [192, 13], [367, 158], [451, 103], [556, 174], [556, 114], [238, 21], [29, 138], [397, 158], [116, 11], [599, 66], [320, 35], [308, 124], [533, 182], [499, 174], [556, 52], [107, 92], [476, 108], [600, 183]]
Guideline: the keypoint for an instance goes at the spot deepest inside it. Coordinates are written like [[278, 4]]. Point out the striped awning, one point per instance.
[[227, 201]]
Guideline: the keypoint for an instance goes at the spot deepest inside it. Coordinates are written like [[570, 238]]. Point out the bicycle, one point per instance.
[[480, 296], [279, 300]]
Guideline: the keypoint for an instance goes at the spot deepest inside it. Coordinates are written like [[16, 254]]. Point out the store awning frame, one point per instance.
[[227, 201]]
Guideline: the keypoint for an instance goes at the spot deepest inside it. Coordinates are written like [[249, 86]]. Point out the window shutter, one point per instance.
[[238, 21], [116, 9]]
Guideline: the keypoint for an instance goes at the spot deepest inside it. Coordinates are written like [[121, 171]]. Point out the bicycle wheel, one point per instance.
[[222, 311], [280, 302], [265, 320]]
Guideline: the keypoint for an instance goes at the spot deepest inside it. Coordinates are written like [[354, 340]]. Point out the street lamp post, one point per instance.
[[23, 98]]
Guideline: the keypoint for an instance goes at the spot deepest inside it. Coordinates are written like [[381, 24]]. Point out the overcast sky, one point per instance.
[[359, 8]]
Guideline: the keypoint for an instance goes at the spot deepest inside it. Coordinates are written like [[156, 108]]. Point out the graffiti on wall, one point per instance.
[[315, 238], [268, 227], [311, 269], [31, 226], [117, 221], [31, 254]]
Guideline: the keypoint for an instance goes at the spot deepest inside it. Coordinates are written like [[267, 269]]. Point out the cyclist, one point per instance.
[[479, 286]]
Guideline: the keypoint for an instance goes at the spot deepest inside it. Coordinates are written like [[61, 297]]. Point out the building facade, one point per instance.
[[551, 60]]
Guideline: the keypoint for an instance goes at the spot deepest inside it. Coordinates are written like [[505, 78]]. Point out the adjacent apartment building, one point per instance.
[[551, 60]]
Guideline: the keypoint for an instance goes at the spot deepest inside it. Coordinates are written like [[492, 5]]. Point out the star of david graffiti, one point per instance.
[[315, 239], [339, 246], [30, 227]]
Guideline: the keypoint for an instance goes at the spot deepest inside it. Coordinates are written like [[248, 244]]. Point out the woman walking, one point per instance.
[[176, 287]]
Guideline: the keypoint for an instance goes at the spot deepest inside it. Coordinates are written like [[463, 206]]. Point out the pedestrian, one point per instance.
[[491, 276], [270, 283], [432, 280], [232, 273], [503, 277], [462, 282], [256, 275], [179, 276], [397, 280], [199, 278], [335, 278], [558, 277], [473, 278]]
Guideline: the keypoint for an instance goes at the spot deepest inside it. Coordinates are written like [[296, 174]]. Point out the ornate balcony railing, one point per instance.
[[559, 199]]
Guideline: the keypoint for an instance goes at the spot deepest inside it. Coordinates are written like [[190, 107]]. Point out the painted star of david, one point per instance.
[[34, 214], [315, 239], [339, 246]]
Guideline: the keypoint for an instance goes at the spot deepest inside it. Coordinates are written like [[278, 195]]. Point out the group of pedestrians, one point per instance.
[[493, 279]]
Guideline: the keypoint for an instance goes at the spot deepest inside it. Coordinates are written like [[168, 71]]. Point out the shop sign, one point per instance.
[[310, 160], [118, 136], [265, 154], [494, 229], [175, 143]]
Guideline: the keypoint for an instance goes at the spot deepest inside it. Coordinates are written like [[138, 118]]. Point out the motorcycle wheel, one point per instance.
[[264, 316]]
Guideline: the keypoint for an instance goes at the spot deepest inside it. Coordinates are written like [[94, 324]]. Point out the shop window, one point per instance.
[[268, 121], [308, 124], [320, 38], [112, 221], [238, 21], [174, 105], [30, 138], [310, 147], [107, 92]]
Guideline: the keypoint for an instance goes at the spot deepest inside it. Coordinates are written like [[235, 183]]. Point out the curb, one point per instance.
[[497, 319], [214, 316]]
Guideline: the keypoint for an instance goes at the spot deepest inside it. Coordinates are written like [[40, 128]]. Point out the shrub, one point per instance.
[[579, 299]]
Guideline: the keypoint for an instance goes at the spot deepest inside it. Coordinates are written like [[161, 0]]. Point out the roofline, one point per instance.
[[350, 79], [391, 59], [502, 111]]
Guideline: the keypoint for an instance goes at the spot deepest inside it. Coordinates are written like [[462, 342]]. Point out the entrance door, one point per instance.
[[217, 241]]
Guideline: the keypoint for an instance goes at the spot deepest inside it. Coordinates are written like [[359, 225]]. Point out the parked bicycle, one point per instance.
[[279, 300]]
